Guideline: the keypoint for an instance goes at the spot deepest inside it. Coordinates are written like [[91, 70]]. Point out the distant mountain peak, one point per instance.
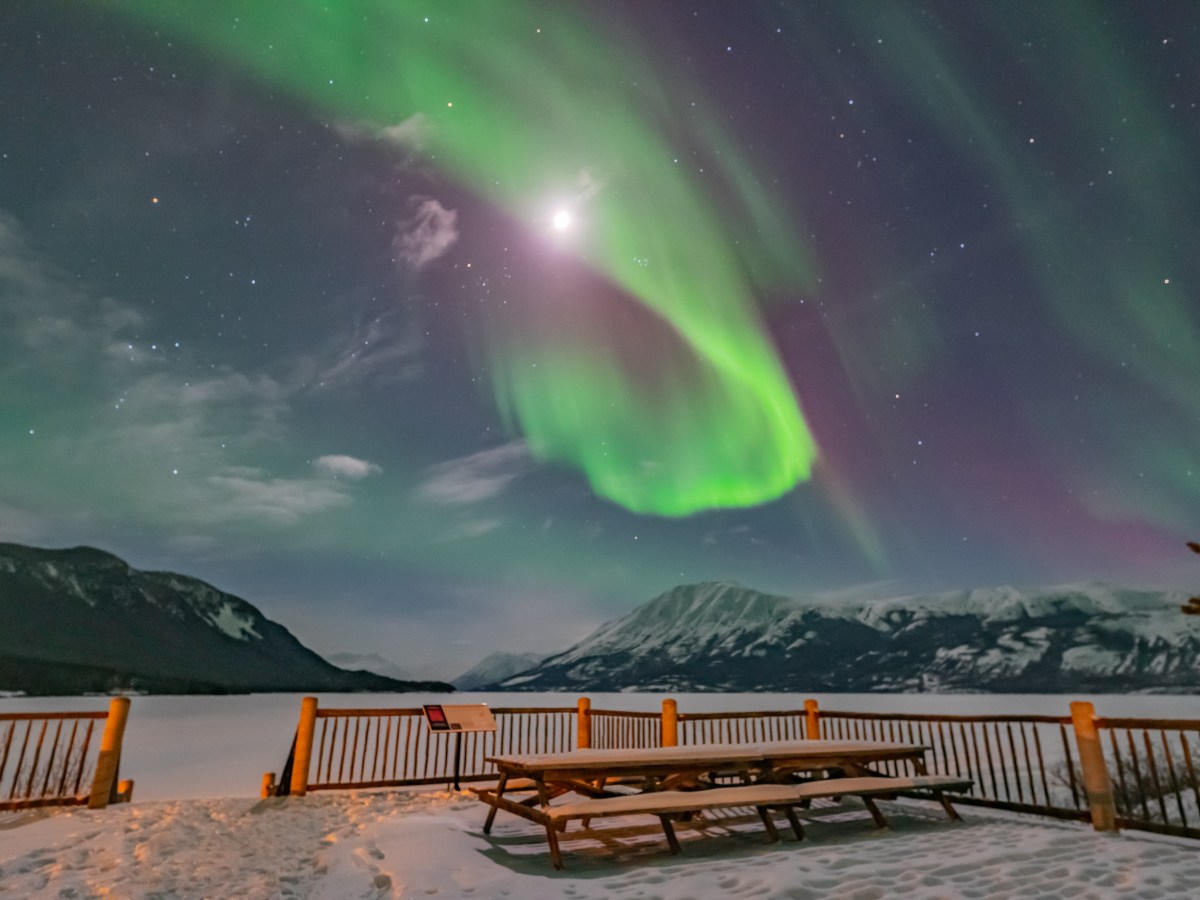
[[495, 667]]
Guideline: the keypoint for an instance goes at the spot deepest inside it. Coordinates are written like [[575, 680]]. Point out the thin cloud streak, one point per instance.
[[478, 477]]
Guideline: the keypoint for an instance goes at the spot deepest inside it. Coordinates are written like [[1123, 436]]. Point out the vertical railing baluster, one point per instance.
[[1016, 763], [1037, 743], [1152, 764], [50, 760], [37, 754], [1137, 773], [1121, 792], [1191, 768], [1021, 727], [87, 743], [963, 756], [1169, 755], [8, 736], [1062, 730], [987, 746], [411, 746]]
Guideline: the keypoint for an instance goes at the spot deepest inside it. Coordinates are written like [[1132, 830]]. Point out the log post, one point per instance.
[[812, 720], [670, 723], [1096, 781], [104, 782], [304, 744], [583, 724], [125, 790], [268, 785]]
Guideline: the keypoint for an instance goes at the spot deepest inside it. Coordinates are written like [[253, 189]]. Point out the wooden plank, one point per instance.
[[752, 795], [532, 813]]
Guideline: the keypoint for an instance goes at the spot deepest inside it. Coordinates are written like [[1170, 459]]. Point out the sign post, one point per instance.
[[457, 718]]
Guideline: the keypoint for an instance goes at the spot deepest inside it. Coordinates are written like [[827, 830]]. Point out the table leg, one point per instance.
[[765, 815], [946, 805], [552, 840], [880, 821], [551, 827], [794, 821], [669, 831], [491, 816]]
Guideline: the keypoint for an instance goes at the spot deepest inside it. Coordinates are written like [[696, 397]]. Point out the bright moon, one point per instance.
[[561, 220]]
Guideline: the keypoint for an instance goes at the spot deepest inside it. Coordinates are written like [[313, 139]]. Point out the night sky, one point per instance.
[[437, 328]]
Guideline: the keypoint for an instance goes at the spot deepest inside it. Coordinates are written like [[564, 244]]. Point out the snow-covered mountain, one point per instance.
[[496, 667], [724, 637], [369, 662], [82, 620]]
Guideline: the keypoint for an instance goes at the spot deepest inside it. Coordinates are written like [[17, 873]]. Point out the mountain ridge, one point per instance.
[[723, 636], [125, 629]]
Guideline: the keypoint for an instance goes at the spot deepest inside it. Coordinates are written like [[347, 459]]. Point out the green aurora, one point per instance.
[[705, 417]]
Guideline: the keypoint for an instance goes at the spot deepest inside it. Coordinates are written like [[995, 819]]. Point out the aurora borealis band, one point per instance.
[[705, 418], [390, 315]]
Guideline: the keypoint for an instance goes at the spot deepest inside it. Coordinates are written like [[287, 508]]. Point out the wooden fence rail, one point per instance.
[[1153, 765], [1117, 773], [1019, 763], [362, 748], [614, 728], [45, 761]]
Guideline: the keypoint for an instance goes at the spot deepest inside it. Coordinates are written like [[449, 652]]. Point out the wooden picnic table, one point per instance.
[[586, 772]]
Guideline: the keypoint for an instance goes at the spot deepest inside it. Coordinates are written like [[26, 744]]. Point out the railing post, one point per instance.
[[670, 723], [1096, 782], [583, 725], [104, 782], [304, 744], [812, 720]]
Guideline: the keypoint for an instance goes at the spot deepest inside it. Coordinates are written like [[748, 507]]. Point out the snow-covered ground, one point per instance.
[[402, 844], [197, 830]]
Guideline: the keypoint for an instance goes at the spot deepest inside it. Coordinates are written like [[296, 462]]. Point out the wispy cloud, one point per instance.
[[427, 233], [473, 528], [120, 427], [410, 135], [347, 467], [284, 501], [480, 476], [386, 350], [45, 319]]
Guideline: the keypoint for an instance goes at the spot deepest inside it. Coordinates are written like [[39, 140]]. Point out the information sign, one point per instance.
[[459, 717]]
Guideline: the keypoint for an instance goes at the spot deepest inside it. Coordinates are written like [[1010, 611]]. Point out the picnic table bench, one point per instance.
[[585, 773]]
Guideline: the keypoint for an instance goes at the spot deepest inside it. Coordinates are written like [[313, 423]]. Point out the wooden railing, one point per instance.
[[362, 748], [613, 728], [1152, 766], [742, 727], [1019, 763], [1126, 773], [44, 758]]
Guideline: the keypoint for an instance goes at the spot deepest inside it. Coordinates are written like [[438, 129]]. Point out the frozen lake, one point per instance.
[[198, 747]]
